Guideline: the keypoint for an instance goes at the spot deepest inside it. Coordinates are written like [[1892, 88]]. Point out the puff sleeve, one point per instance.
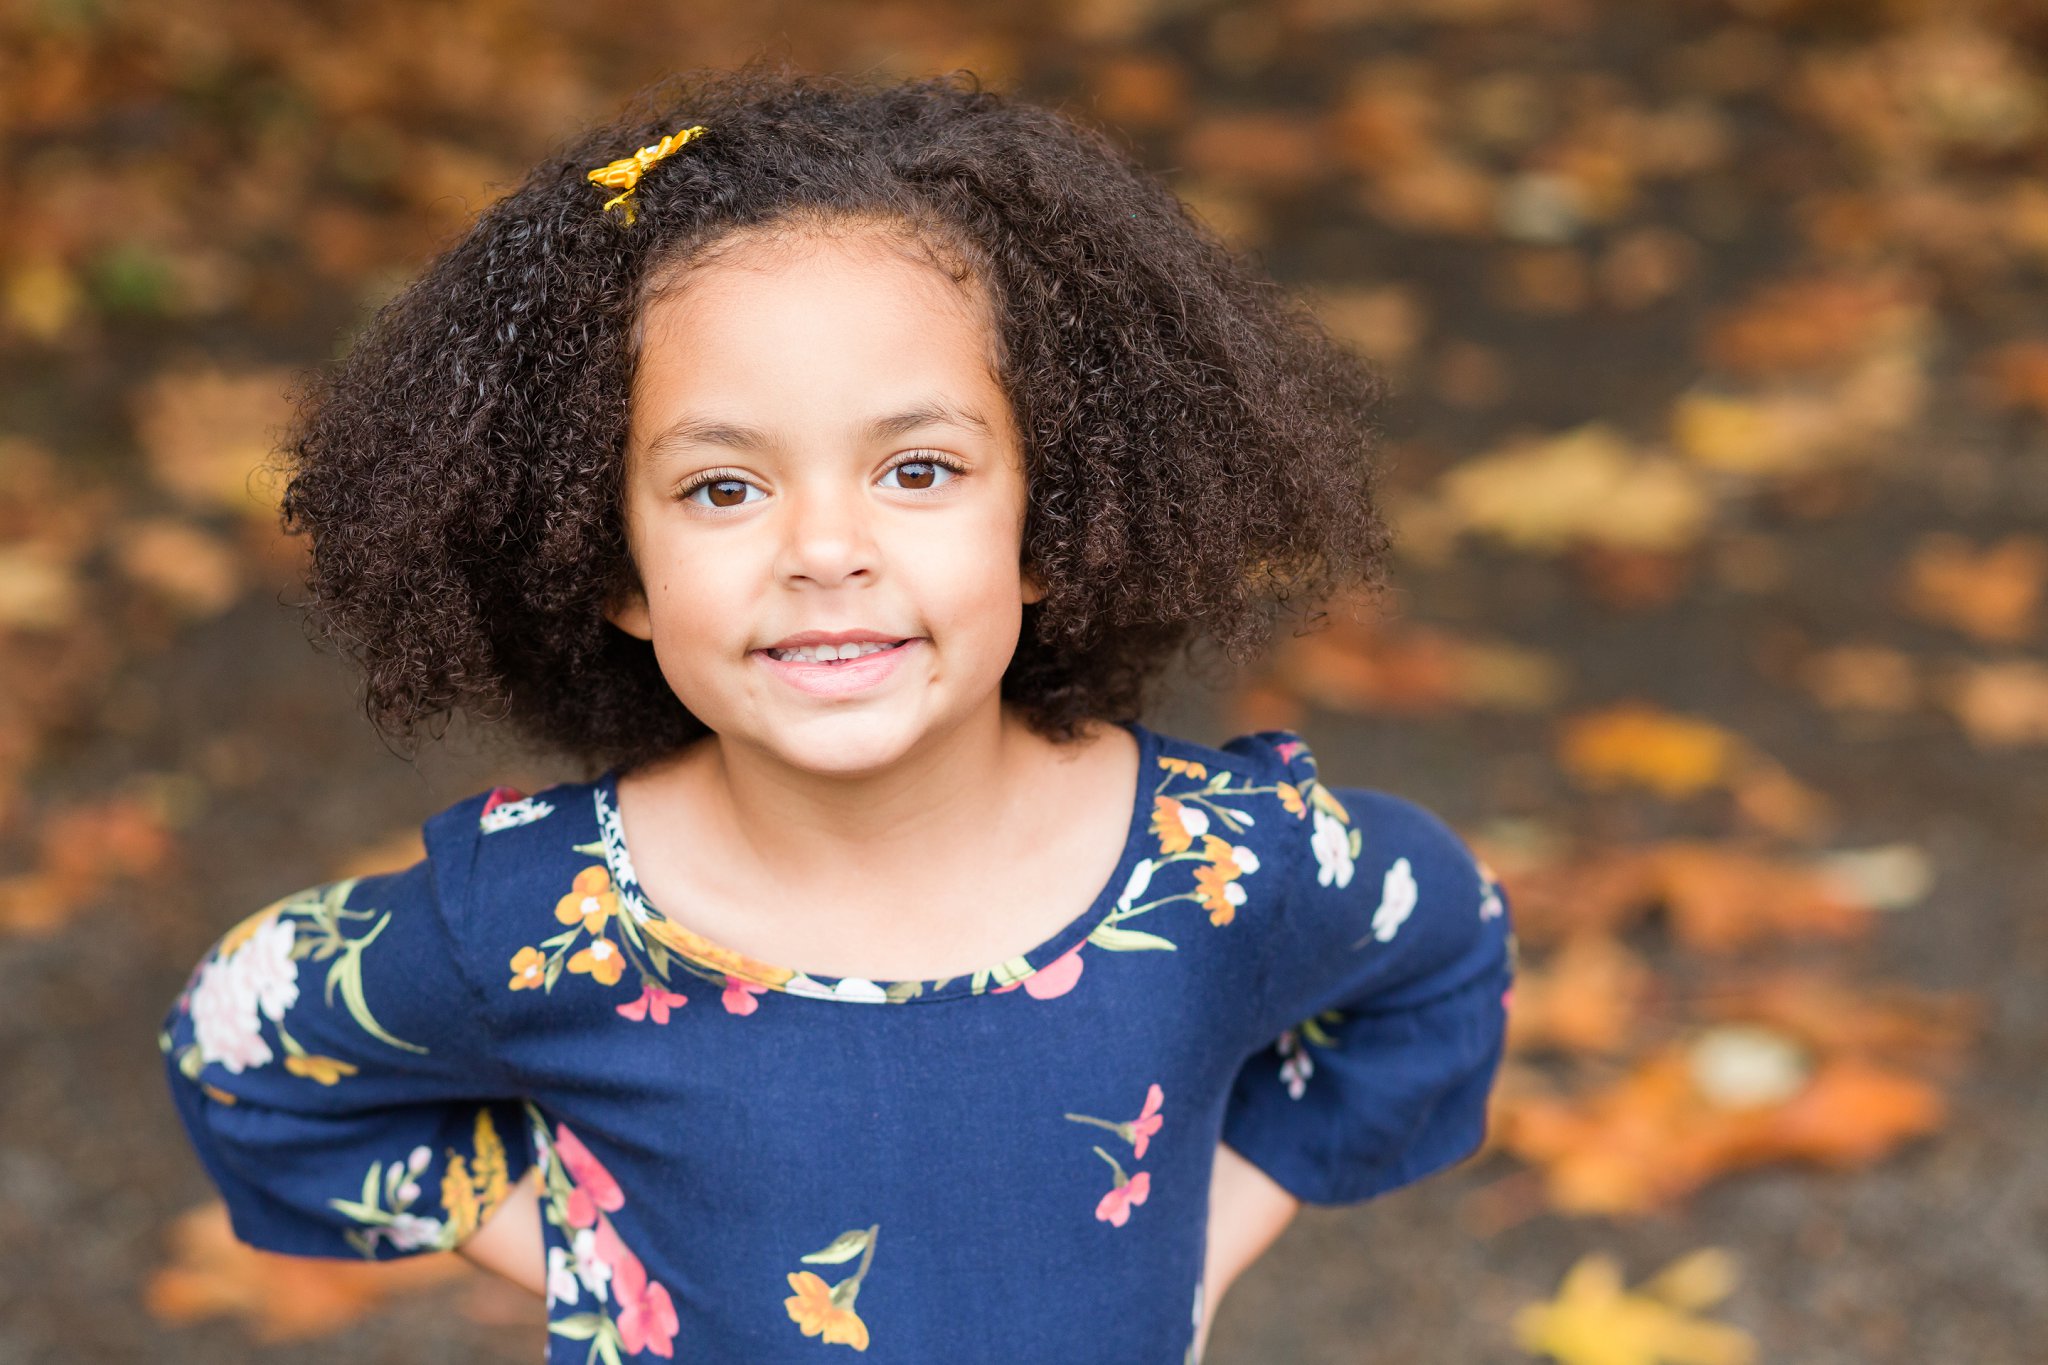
[[1386, 996], [329, 1061]]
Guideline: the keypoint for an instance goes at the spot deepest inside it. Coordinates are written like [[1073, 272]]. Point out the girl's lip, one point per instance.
[[840, 679]]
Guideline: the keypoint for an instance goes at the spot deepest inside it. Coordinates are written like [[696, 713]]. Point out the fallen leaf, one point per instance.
[[1634, 743], [179, 562], [1992, 594], [1869, 678], [1654, 1136], [1585, 997], [2001, 705], [1584, 485], [1594, 1321], [280, 1298], [208, 432]]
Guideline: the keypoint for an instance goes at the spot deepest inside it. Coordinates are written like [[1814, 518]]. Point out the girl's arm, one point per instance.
[[1247, 1211], [509, 1243]]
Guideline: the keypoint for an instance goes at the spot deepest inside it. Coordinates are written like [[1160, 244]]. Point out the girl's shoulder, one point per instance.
[[1269, 787], [1360, 882]]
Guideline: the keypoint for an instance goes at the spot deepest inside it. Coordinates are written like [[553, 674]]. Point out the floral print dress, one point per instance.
[[739, 1160]]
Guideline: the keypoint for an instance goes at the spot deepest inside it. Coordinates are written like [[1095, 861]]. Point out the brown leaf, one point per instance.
[[280, 1298], [1992, 594], [2001, 705], [1585, 997]]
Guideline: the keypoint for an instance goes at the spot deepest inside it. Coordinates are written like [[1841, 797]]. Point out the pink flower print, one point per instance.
[[1138, 1131], [1056, 977], [1288, 749], [647, 1316], [1147, 1123], [653, 1000], [739, 996], [594, 1187], [1115, 1207]]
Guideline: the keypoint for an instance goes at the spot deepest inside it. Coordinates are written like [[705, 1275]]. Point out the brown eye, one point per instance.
[[724, 491], [918, 475]]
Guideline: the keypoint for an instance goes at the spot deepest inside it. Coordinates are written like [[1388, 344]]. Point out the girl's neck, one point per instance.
[[908, 835]]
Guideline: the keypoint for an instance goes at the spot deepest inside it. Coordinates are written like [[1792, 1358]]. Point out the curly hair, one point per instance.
[[1199, 450]]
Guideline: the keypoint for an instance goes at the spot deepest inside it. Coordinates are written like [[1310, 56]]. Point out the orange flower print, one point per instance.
[[602, 960], [1115, 1207], [1290, 799], [326, 1070], [655, 1001], [812, 1309], [590, 902], [1177, 825], [1216, 885], [1186, 767], [826, 1310], [527, 965]]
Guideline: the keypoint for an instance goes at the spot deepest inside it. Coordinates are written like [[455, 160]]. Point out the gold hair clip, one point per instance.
[[625, 173]]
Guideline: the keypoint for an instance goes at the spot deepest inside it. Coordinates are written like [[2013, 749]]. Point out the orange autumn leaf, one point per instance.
[[2001, 704], [1585, 997], [1719, 898], [1715, 898], [279, 1298], [1655, 1135], [1678, 756], [1634, 743], [1369, 666], [1896, 1021], [1813, 324], [1991, 594]]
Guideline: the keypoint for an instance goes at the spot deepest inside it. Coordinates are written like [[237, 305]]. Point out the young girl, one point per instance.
[[831, 469]]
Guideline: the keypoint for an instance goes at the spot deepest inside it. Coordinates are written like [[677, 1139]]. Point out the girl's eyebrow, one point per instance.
[[691, 431]]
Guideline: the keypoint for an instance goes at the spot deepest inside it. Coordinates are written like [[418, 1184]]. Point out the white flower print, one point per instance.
[[1491, 907], [224, 1016], [1397, 898], [1295, 1066], [512, 814], [1332, 844], [590, 1267], [854, 988], [266, 964], [1246, 860], [409, 1231], [561, 1278], [1141, 877]]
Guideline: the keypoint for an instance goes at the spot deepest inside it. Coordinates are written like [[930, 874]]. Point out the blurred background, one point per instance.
[[1720, 472]]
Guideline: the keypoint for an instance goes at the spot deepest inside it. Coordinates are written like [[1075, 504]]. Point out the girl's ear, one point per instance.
[[1034, 590], [628, 611]]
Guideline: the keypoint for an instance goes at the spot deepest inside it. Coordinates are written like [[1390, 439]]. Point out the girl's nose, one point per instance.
[[828, 536]]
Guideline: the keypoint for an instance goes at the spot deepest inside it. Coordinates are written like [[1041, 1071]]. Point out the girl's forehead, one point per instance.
[[844, 302]]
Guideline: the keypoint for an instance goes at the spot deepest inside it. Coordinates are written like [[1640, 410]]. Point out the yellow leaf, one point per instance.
[[1594, 1321], [1585, 485]]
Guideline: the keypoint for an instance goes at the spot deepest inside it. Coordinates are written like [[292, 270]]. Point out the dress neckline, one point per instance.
[[705, 953]]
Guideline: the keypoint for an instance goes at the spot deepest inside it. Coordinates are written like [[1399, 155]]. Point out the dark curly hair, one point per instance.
[[1198, 449]]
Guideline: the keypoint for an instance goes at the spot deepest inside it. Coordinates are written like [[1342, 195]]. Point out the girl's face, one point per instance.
[[817, 444]]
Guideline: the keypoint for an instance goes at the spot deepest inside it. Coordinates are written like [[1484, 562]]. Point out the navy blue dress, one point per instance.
[[741, 1162]]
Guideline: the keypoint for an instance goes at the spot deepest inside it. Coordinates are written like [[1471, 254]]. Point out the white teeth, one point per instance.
[[825, 653]]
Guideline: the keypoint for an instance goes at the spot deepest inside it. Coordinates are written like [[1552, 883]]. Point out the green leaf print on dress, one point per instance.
[[470, 1190]]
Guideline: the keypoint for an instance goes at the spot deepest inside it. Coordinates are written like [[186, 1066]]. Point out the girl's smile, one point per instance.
[[840, 677]]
